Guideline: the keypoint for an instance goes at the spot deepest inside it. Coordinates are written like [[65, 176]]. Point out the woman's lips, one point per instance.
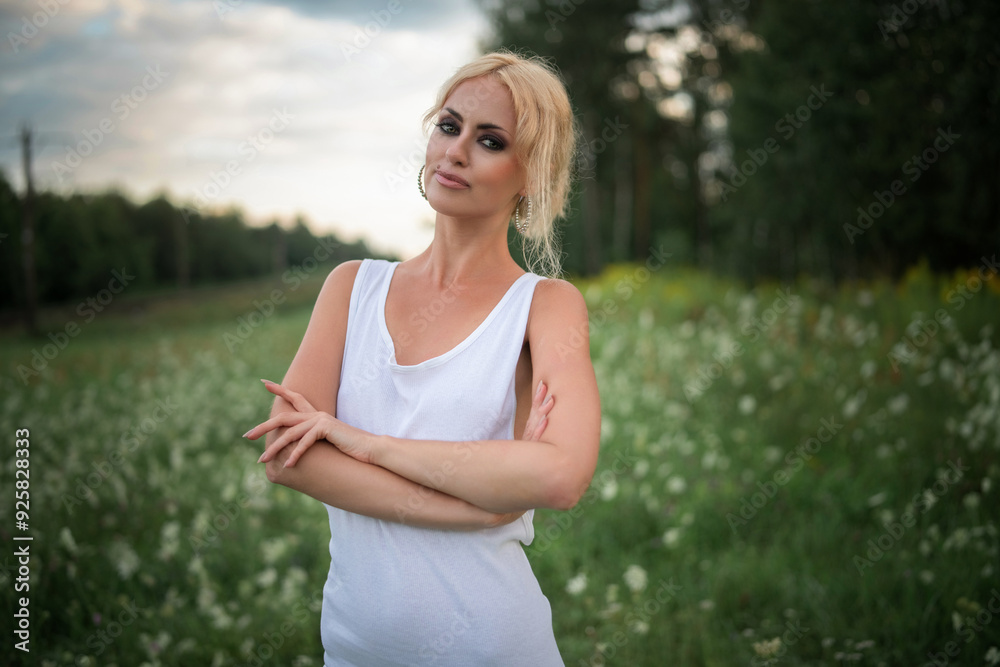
[[450, 180]]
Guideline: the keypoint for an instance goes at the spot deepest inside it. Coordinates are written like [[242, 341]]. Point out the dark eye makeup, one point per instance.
[[489, 141]]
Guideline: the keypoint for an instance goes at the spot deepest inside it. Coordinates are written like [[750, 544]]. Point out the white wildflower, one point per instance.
[[66, 539], [747, 404], [206, 599], [958, 540], [267, 578], [671, 537], [155, 645], [124, 558], [767, 649], [577, 584], [169, 540], [898, 404], [877, 499], [853, 404], [925, 548], [638, 627], [709, 459], [929, 499], [676, 485], [220, 619], [273, 550], [635, 578]]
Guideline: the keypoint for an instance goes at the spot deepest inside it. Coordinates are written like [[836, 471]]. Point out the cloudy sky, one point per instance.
[[281, 108]]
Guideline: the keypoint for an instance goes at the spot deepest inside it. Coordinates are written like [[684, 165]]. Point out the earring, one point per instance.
[[420, 182], [519, 225]]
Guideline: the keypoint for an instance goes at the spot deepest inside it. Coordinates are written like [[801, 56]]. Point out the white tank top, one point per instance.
[[401, 595]]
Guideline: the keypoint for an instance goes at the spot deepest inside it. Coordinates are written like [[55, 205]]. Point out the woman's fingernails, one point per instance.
[[248, 433], [538, 392], [266, 381], [261, 459]]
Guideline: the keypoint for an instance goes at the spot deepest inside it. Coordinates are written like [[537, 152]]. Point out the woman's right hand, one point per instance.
[[538, 418]]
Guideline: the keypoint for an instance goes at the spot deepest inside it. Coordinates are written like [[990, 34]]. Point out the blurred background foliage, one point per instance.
[[695, 89]]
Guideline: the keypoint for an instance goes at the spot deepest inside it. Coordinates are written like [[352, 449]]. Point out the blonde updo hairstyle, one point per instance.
[[545, 141]]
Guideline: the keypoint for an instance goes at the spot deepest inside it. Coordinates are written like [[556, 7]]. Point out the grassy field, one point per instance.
[[793, 475]]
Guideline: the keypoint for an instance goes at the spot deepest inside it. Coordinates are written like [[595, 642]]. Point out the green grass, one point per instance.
[[170, 538]]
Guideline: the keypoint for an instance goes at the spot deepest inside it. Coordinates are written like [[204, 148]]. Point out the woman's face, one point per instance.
[[472, 170]]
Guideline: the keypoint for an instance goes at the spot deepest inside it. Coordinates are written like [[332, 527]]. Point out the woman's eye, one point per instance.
[[447, 127], [492, 143]]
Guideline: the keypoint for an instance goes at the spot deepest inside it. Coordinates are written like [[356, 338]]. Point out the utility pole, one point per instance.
[[28, 236]]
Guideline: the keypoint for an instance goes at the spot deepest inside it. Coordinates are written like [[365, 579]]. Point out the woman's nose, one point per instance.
[[457, 151]]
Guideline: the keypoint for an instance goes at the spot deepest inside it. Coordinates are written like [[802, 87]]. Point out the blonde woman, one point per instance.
[[400, 408]]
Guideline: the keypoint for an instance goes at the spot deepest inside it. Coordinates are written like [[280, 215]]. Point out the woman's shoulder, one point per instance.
[[557, 300], [557, 289], [342, 276]]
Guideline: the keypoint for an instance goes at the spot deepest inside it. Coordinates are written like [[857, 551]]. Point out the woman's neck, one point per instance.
[[467, 252]]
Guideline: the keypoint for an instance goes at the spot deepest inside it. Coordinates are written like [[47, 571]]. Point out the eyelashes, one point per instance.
[[488, 141]]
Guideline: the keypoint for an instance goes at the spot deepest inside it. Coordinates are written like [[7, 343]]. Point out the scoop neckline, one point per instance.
[[444, 356]]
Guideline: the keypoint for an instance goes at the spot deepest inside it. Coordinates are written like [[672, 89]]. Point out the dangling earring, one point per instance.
[[420, 182], [519, 225]]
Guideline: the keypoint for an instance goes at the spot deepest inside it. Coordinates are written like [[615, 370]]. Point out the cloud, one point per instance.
[[354, 90], [427, 16]]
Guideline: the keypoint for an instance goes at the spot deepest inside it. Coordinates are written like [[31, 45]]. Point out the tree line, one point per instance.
[[838, 138], [81, 238]]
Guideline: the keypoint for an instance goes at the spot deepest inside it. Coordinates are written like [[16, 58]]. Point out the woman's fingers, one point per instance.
[[298, 424], [282, 419], [534, 417], [305, 442], [297, 400], [541, 405]]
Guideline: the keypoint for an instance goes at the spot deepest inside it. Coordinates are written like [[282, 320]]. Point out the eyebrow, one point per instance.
[[481, 126]]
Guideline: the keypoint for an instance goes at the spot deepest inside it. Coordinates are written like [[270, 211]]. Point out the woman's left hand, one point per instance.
[[307, 425]]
